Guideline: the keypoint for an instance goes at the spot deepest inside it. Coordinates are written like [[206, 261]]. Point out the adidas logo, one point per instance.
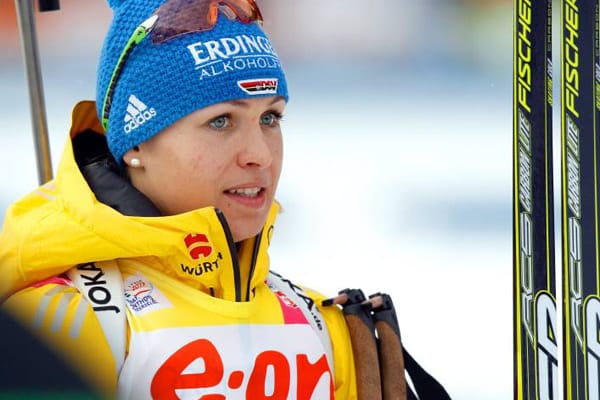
[[137, 114]]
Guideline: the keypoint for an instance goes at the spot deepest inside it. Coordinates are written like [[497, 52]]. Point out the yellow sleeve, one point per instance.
[[343, 359], [65, 321]]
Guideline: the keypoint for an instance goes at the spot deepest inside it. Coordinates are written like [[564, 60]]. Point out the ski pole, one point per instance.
[[27, 30], [357, 312], [381, 361], [391, 360], [395, 361]]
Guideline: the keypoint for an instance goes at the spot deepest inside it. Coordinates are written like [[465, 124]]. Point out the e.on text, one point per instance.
[[270, 378]]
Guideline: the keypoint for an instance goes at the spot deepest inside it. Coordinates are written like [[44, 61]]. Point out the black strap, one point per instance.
[[410, 395], [426, 386]]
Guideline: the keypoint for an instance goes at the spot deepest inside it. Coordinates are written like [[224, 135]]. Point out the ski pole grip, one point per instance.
[[48, 5], [357, 313], [390, 347], [368, 378], [392, 362]]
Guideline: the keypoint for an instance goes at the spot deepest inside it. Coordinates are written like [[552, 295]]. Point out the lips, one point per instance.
[[249, 196]]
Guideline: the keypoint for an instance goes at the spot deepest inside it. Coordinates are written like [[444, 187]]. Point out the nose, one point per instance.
[[256, 150]]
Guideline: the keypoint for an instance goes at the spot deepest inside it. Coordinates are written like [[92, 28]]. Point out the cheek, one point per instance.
[[277, 152], [183, 171], [209, 165], [192, 155], [278, 146], [182, 167]]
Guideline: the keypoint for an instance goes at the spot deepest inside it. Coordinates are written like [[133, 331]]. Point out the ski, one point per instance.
[[535, 318], [579, 163]]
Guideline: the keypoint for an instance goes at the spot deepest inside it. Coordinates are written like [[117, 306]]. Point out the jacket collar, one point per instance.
[[195, 247]]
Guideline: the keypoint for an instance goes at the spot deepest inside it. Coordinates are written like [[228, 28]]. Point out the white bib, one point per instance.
[[227, 362]]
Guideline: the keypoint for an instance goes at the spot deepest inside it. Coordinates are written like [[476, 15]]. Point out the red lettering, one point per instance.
[[169, 376], [309, 376], [195, 252], [281, 379], [137, 284], [235, 379], [270, 378]]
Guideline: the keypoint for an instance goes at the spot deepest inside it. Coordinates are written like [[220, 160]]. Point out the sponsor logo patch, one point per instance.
[[137, 114], [259, 86], [197, 245], [233, 54], [142, 296]]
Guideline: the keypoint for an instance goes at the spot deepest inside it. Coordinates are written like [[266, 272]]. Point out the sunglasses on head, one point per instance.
[[175, 18]]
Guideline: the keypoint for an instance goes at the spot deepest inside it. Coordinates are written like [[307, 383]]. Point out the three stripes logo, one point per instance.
[[137, 114]]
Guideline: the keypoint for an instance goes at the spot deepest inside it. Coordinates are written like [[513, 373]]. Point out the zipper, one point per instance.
[[253, 262], [234, 255]]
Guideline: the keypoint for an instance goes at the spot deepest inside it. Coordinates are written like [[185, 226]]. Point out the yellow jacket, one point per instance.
[[200, 316]]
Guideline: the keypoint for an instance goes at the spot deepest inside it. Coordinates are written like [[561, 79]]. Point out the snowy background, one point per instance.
[[397, 171]]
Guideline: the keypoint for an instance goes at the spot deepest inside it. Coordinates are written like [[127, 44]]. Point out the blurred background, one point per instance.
[[397, 168]]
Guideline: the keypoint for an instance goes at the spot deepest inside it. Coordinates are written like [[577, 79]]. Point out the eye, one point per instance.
[[220, 122], [270, 118]]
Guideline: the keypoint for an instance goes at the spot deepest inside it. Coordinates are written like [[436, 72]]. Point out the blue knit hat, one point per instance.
[[162, 83]]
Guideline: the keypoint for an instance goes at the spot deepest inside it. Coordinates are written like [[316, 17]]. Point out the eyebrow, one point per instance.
[[244, 103]]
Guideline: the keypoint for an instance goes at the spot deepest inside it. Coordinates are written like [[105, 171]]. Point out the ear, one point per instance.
[[130, 155]]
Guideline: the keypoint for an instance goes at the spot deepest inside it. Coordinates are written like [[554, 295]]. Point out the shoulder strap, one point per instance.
[[102, 285], [308, 308]]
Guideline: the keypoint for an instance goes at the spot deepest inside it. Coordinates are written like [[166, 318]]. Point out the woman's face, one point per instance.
[[227, 155]]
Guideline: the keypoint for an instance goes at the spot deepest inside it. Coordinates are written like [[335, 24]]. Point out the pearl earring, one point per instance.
[[135, 162]]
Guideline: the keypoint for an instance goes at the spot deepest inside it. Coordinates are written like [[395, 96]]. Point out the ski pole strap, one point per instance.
[[357, 312], [426, 386], [391, 360]]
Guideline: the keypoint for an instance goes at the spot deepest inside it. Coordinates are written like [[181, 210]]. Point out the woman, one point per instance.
[[145, 261]]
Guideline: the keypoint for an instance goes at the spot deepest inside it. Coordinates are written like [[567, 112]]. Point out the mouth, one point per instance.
[[248, 196], [246, 192]]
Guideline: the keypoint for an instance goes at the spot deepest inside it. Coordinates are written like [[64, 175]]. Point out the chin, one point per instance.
[[241, 237], [246, 231], [244, 225]]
